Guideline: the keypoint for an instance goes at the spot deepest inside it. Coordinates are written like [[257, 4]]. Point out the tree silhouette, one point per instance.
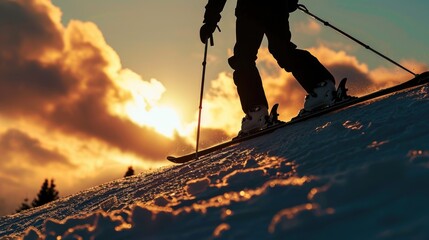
[[46, 194], [52, 192], [129, 172]]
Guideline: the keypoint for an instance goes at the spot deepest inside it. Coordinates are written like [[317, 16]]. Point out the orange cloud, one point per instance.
[[69, 79], [221, 105], [16, 143], [361, 78]]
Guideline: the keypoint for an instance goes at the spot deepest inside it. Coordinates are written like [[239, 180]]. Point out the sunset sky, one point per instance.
[[89, 87]]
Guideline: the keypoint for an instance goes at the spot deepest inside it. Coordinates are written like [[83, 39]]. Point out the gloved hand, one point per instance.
[[292, 5], [207, 31]]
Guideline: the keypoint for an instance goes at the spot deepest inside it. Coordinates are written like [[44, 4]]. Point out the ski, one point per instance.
[[343, 101]]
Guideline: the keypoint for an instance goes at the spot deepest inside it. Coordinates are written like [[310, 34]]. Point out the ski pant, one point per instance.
[[250, 30]]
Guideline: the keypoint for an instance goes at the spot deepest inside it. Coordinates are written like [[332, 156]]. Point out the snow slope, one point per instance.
[[361, 173]]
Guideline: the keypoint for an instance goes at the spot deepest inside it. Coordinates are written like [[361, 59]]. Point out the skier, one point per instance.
[[254, 19]]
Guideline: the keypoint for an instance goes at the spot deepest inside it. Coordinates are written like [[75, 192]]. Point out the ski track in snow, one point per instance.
[[361, 173]]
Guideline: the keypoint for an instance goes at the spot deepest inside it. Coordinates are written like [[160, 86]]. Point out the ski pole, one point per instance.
[[201, 95], [200, 108], [305, 10]]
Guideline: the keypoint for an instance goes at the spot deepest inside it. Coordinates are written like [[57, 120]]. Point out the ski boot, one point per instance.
[[323, 95], [255, 120]]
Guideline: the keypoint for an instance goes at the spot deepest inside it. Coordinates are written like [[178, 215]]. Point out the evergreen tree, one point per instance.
[[46, 194], [129, 172], [24, 206], [52, 192]]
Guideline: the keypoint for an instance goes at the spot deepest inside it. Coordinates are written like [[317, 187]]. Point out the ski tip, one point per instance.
[[177, 160]]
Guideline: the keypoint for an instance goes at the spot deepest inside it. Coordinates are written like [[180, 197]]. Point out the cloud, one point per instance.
[[27, 30], [312, 27], [16, 143], [69, 79], [361, 78], [221, 105]]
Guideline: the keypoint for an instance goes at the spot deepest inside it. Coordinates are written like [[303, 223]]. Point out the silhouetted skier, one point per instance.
[[256, 18]]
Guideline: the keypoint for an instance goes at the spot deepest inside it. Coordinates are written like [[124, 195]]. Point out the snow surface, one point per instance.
[[361, 173]]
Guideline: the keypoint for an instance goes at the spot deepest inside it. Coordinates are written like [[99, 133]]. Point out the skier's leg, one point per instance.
[[249, 35], [306, 68]]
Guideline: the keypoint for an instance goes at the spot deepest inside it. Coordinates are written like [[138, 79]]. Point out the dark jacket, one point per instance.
[[260, 7]]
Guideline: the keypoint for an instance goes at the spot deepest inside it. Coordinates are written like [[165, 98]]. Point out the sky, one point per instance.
[[90, 87]]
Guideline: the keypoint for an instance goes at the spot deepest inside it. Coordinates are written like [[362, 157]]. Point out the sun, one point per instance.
[[164, 120]]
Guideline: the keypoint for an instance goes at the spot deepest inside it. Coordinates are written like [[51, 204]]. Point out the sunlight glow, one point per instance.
[[139, 102], [164, 120]]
